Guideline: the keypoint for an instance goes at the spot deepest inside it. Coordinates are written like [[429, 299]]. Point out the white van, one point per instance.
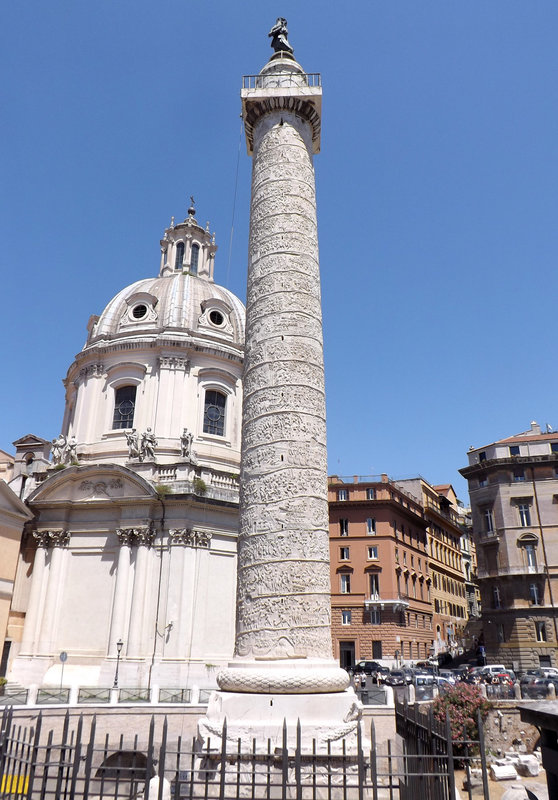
[[494, 669]]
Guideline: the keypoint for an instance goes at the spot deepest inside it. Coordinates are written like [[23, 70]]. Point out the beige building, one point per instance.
[[513, 486], [13, 515], [445, 529]]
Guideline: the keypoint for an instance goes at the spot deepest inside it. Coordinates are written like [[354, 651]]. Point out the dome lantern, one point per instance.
[[188, 248]]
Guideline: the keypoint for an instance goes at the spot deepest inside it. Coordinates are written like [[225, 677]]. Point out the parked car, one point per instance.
[[443, 683], [366, 667], [449, 675], [474, 675], [381, 674], [396, 678], [408, 673], [423, 679], [491, 669], [529, 674], [498, 676], [536, 688], [550, 672]]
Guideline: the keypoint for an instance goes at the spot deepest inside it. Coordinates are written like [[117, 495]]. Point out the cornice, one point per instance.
[[508, 461]]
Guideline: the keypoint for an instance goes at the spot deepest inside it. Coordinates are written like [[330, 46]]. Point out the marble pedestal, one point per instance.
[[330, 719]]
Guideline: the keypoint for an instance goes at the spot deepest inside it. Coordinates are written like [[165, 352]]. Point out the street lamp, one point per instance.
[[119, 646]]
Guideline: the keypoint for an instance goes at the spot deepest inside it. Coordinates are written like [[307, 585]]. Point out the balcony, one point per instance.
[[488, 537], [399, 603], [282, 79], [522, 569]]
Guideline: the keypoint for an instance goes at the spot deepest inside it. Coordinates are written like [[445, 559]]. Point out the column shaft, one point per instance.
[[283, 603], [34, 608], [119, 628], [135, 636], [53, 591]]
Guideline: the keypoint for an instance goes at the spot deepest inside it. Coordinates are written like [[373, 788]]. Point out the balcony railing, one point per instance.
[[488, 536], [282, 79], [521, 569], [398, 603]]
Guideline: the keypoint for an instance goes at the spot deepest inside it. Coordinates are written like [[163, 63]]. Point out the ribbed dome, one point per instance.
[[176, 304]]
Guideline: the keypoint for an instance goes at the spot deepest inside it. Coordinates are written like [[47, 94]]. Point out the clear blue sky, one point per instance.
[[437, 200]]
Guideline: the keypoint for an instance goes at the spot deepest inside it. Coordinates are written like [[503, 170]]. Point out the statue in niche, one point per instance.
[[58, 449], [148, 445], [132, 440], [279, 34], [186, 441]]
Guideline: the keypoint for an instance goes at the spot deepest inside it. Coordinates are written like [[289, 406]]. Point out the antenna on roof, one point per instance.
[[549, 428]]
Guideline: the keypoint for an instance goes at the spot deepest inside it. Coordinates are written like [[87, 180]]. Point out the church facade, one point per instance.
[[131, 552]]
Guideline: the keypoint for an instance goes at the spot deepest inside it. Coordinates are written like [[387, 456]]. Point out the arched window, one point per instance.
[[195, 258], [124, 405], [179, 257], [214, 413]]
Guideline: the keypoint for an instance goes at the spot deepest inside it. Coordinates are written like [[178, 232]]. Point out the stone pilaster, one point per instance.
[[118, 622], [144, 536], [58, 539], [34, 607]]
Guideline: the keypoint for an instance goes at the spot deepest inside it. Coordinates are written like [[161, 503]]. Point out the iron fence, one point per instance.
[[82, 764]]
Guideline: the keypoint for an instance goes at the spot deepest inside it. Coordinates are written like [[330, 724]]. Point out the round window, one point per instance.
[[216, 317], [139, 311], [214, 413]]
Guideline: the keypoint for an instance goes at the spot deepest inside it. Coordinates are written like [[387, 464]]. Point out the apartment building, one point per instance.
[[513, 486], [445, 529], [380, 580]]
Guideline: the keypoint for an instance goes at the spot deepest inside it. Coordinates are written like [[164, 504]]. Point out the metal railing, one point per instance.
[[517, 569], [53, 696], [14, 696], [93, 694], [175, 695], [283, 79], [134, 696]]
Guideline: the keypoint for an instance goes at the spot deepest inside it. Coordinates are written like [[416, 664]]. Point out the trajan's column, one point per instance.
[[283, 666]]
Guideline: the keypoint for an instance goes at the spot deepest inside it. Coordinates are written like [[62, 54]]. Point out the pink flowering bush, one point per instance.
[[463, 702]]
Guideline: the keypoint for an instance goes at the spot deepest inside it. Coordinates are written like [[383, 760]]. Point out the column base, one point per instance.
[[328, 720], [283, 676]]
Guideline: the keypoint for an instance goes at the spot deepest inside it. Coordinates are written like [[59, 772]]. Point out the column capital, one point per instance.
[[202, 538], [190, 537], [144, 535], [42, 538], [59, 538], [53, 537], [125, 536], [181, 536]]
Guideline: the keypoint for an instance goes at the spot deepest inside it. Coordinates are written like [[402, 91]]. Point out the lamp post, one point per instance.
[[119, 646]]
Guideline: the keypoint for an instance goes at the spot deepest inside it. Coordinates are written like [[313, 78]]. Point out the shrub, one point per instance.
[[162, 489], [463, 702], [200, 486]]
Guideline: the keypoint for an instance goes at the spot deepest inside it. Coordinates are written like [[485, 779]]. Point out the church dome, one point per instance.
[[163, 361], [182, 305]]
